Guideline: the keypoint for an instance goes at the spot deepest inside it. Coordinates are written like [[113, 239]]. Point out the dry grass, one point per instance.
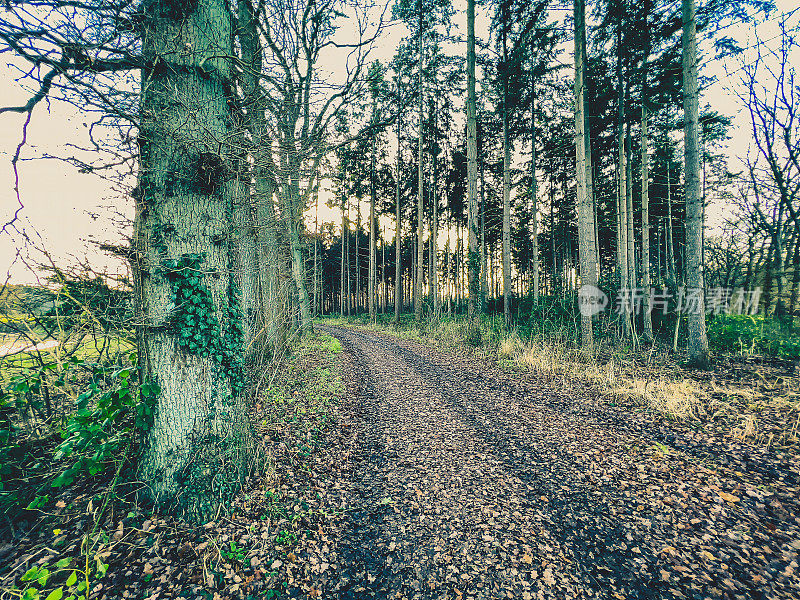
[[510, 347], [680, 400]]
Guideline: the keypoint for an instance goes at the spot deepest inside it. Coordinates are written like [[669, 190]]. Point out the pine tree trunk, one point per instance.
[[483, 274], [586, 242], [534, 197], [420, 181], [357, 257], [622, 205], [506, 184], [645, 270], [698, 341], [473, 258], [372, 238], [434, 245], [398, 267], [631, 259], [195, 451], [343, 292], [670, 242]]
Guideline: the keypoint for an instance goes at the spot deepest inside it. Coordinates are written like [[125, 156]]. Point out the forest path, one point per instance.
[[460, 480]]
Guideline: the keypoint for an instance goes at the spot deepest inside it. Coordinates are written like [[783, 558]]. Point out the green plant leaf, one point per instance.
[[56, 594]]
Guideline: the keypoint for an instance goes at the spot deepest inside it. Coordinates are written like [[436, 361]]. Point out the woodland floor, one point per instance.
[[460, 480], [438, 474]]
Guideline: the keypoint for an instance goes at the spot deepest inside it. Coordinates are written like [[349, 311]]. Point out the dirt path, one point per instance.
[[457, 480]]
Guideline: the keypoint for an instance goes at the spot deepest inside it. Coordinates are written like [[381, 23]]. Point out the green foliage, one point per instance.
[[109, 406], [735, 332], [285, 537], [9, 453], [233, 552], [755, 334], [106, 413], [60, 580], [195, 322]]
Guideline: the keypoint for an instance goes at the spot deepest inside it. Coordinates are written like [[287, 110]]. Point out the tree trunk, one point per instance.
[[586, 242], [670, 242], [195, 451], [506, 183], [372, 237], [343, 292], [483, 274], [398, 268], [357, 256], [631, 258], [534, 197], [420, 180], [622, 205], [271, 316], [294, 221], [698, 341], [795, 290], [316, 260], [473, 258], [434, 245], [645, 270]]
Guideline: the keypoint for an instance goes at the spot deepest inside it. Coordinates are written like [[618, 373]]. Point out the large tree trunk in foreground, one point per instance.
[[372, 236], [473, 257], [696, 321], [586, 242], [195, 451], [506, 186], [420, 183]]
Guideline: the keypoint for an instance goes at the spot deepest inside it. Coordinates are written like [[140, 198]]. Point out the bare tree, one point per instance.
[[302, 99]]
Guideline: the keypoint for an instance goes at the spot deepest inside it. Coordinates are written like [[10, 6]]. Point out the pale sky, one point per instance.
[[68, 209]]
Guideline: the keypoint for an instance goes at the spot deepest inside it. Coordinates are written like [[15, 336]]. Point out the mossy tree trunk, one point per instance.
[[189, 328]]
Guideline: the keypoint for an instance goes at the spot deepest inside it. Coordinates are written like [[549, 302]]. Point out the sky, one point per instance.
[[65, 211]]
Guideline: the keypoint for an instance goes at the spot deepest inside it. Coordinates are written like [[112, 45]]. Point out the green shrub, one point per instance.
[[735, 333], [754, 334], [108, 410]]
